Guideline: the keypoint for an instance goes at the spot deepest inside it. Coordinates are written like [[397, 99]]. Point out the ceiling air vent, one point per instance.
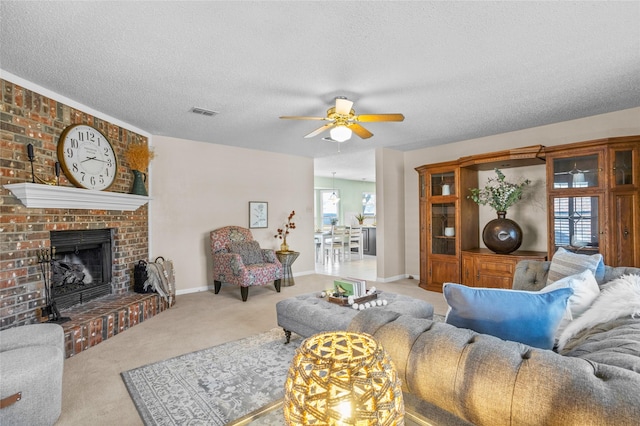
[[202, 111]]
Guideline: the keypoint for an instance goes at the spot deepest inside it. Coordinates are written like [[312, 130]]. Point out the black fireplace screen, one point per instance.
[[81, 267]]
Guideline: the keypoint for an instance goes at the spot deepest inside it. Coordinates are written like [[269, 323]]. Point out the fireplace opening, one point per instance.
[[81, 266]]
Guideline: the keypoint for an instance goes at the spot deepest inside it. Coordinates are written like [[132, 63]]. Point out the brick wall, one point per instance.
[[28, 117]]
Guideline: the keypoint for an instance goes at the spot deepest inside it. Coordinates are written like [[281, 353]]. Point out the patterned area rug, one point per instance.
[[213, 386]]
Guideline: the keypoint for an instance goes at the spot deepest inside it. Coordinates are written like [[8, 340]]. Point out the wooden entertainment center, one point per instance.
[[593, 205]]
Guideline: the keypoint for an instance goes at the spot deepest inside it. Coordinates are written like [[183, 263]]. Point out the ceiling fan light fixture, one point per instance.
[[333, 197], [340, 133]]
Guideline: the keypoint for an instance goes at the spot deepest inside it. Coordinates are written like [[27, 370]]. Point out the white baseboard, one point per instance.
[[390, 279], [297, 274], [194, 290], [210, 287]]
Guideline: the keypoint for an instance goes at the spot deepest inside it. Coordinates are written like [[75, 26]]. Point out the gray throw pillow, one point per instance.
[[249, 251], [566, 263]]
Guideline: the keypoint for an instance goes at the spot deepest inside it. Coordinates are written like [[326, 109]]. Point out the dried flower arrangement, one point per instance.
[[498, 194], [283, 232], [138, 155]]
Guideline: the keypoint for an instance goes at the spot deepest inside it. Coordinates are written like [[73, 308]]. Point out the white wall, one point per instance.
[[197, 187], [619, 123], [390, 214]]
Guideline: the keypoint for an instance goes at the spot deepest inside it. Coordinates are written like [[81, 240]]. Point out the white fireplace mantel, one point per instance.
[[35, 195]]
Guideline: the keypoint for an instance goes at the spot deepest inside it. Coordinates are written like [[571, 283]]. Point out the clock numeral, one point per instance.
[[98, 141], [70, 152], [106, 151], [83, 174], [74, 143], [101, 180], [75, 167], [92, 181]]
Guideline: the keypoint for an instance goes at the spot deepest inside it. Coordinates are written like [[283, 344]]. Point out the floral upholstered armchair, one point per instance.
[[239, 260]]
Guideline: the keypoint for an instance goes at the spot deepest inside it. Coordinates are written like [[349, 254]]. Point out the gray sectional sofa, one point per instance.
[[456, 376], [31, 365]]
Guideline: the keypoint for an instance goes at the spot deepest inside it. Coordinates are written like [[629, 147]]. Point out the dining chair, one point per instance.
[[334, 246], [355, 242]]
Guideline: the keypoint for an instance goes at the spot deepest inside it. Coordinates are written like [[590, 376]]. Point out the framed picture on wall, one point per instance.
[[258, 214]]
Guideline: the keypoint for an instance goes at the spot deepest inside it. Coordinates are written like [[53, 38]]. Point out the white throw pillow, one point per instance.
[[566, 263], [585, 292]]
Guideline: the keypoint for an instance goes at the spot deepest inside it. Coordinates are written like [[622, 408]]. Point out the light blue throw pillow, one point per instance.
[[527, 317]]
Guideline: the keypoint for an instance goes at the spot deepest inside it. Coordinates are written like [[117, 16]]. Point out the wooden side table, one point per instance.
[[287, 258]]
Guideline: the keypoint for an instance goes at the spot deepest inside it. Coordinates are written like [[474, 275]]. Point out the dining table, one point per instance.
[[321, 236], [324, 236]]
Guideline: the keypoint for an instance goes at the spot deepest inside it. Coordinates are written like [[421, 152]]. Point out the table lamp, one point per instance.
[[342, 378]]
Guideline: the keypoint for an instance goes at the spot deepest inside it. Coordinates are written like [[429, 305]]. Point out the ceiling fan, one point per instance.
[[344, 121]]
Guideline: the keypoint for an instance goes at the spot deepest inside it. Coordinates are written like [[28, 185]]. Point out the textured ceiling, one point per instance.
[[456, 70]]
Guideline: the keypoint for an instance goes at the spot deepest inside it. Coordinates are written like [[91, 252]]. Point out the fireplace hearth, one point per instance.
[[81, 266]]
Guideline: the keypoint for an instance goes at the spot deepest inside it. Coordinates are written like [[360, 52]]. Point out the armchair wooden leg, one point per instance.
[[277, 283], [244, 291], [216, 286]]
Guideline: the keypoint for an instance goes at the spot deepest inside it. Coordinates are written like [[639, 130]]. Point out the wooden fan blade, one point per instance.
[[298, 117], [368, 118], [320, 130], [343, 106], [360, 131]]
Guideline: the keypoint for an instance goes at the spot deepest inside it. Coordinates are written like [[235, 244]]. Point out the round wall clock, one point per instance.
[[87, 157]]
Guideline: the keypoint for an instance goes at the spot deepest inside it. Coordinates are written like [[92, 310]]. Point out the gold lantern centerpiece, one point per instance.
[[342, 378]]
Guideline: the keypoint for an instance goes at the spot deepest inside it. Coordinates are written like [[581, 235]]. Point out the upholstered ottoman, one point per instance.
[[309, 314]]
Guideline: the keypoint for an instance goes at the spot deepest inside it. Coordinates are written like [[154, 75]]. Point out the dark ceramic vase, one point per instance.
[[139, 179], [502, 235]]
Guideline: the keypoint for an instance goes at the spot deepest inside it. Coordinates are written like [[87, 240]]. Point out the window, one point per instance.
[[329, 206], [576, 222], [368, 204]]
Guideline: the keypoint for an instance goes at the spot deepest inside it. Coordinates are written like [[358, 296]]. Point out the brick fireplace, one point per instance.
[[27, 117]]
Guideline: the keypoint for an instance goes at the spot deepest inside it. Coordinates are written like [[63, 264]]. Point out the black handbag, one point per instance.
[[140, 277]]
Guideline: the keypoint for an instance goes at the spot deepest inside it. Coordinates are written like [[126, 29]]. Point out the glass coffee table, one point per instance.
[[272, 415]]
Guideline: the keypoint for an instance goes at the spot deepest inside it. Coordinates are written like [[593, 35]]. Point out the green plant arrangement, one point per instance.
[[498, 193], [360, 218]]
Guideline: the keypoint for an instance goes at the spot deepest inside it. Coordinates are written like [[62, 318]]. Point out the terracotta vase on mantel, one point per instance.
[[502, 235]]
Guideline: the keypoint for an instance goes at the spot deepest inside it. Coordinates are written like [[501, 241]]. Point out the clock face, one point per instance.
[[87, 158]]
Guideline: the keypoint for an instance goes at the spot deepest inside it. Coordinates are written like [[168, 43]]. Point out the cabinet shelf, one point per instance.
[[592, 191]]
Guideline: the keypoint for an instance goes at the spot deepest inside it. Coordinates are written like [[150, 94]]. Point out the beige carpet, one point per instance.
[[93, 391]]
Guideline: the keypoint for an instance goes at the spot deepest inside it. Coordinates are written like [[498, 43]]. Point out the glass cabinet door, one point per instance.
[[443, 184], [623, 167], [576, 224], [576, 172], [443, 232]]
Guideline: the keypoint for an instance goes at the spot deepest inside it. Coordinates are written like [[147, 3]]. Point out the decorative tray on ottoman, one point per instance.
[[344, 301]]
